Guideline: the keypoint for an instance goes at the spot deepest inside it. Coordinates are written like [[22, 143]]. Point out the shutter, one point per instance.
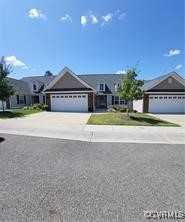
[[112, 100], [24, 99], [17, 99]]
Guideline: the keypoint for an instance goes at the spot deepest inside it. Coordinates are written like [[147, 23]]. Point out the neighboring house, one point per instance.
[[70, 92], [165, 94]]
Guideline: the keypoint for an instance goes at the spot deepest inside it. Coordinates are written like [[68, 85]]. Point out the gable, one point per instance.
[[67, 81], [167, 85]]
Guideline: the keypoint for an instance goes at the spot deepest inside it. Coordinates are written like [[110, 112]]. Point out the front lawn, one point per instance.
[[137, 119], [17, 113]]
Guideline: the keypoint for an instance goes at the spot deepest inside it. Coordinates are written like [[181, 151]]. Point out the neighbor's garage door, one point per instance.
[[1, 105], [71, 102], [167, 104]]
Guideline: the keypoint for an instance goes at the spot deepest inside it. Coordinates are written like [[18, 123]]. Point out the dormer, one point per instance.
[[101, 86], [117, 84], [34, 86]]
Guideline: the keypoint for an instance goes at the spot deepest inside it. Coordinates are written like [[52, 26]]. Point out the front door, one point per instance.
[[101, 101]]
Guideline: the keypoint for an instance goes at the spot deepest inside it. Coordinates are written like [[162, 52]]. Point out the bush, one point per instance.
[[26, 107], [116, 108], [45, 107], [37, 106]]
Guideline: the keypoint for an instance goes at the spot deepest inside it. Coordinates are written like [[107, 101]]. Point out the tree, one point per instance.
[[6, 90], [48, 73], [130, 88]]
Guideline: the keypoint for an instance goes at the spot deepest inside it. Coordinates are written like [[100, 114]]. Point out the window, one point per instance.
[[34, 87], [79, 96], [70, 96], [175, 97], [170, 97], [151, 97], [165, 97], [122, 102], [21, 99], [118, 83], [74, 96], [119, 101], [66, 96], [179, 97], [83, 96], [156, 97], [62, 96], [116, 101], [53, 96], [160, 97], [101, 86], [57, 96]]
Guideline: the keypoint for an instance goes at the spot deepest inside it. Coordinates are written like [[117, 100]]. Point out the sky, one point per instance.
[[92, 36]]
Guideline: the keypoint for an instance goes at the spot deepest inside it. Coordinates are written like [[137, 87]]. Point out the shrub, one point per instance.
[[26, 107], [116, 108], [37, 105], [45, 107]]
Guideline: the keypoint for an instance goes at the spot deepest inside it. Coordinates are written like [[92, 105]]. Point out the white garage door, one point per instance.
[[71, 102], [167, 104], [1, 105]]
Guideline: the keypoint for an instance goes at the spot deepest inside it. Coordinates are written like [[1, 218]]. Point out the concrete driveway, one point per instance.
[[73, 126], [174, 118]]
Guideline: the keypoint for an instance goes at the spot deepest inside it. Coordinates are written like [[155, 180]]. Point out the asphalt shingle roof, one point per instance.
[[20, 86]]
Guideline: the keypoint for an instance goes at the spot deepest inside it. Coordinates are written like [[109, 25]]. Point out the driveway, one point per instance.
[[73, 126], [174, 118], [53, 180]]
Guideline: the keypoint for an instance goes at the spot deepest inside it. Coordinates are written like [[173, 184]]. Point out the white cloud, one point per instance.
[[25, 67], [93, 18], [121, 72], [122, 16], [90, 18], [173, 52], [67, 17], [12, 60], [106, 19], [178, 66], [35, 13], [83, 20]]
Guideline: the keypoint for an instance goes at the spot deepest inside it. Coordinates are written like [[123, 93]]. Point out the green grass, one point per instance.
[[137, 119], [17, 113]]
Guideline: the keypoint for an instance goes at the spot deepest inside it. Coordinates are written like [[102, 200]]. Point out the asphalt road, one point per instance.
[[45, 179]]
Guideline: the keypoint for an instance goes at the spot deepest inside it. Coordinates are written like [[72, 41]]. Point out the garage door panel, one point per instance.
[[167, 104], [71, 102]]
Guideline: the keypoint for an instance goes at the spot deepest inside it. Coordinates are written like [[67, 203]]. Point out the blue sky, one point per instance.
[[92, 36]]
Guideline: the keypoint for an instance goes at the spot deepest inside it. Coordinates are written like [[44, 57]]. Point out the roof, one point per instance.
[[110, 80], [43, 79], [151, 83], [20, 86]]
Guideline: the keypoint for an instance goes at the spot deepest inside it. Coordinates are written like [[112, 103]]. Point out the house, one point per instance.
[[165, 94], [70, 92]]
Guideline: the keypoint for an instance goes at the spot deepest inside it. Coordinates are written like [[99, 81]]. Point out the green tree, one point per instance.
[[48, 73], [130, 87], [6, 90]]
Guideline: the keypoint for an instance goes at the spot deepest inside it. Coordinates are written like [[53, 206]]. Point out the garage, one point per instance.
[[166, 104], [1, 105], [69, 102]]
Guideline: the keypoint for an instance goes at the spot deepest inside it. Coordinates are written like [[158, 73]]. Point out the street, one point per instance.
[[44, 179]]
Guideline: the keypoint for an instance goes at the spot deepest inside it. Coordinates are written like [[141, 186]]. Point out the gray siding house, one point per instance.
[[70, 92]]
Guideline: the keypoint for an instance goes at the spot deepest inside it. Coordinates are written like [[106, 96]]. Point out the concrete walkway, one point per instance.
[[74, 128]]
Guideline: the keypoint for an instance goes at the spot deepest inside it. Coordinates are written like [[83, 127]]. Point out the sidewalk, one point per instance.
[[93, 133]]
